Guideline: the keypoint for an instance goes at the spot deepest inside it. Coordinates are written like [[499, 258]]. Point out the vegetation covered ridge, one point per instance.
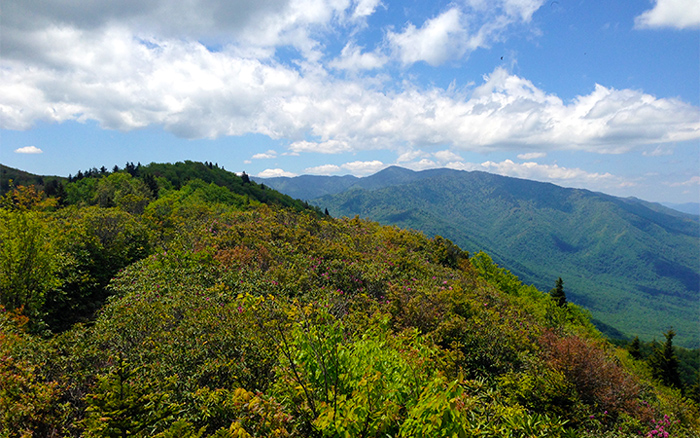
[[203, 315], [633, 264]]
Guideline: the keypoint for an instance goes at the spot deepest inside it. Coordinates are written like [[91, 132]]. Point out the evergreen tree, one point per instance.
[[120, 407], [51, 187], [558, 294], [326, 213], [61, 195], [634, 348], [151, 183], [664, 363], [245, 178]]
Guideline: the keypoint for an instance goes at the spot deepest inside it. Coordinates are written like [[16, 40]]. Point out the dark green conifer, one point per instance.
[[664, 363], [634, 348], [558, 294], [151, 183]]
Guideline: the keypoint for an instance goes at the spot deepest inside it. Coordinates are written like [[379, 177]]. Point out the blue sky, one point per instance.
[[590, 94]]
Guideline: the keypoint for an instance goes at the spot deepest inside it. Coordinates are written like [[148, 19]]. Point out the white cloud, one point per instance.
[[423, 164], [693, 181], [441, 38], [546, 172], [351, 58], [125, 83], [29, 150], [447, 156], [266, 155], [522, 9], [273, 173], [324, 147], [565, 176], [364, 167], [250, 24], [86, 63], [325, 169], [460, 30], [532, 155], [409, 155], [658, 151], [365, 8], [679, 14]]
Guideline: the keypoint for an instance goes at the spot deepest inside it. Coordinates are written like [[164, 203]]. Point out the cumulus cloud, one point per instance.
[[679, 14], [364, 167], [409, 155], [364, 8], [126, 83], [323, 147], [352, 58], [532, 155], [439, 39], [266, 155], [693, 181], [423, 164], [447, 156], [273, 173], [552, 172], [358, 168], [29, 150], [248, 23], [87, 63], [460, 30], [325, 169], [566, 176]]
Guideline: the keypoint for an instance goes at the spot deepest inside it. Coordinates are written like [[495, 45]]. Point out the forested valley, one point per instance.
[[183, 300]]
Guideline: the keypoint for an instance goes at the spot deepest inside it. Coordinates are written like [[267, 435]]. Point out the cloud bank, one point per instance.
[[203, 69]]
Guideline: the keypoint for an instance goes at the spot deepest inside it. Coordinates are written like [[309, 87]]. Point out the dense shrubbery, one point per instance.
[[224, 317]]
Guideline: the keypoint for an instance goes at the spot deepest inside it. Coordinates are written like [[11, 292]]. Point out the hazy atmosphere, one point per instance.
[[590, 94]]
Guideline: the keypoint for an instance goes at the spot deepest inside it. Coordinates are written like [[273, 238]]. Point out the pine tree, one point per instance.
[[119, 407], [558, 294], [151, 183], [634, 348], [664, 363]]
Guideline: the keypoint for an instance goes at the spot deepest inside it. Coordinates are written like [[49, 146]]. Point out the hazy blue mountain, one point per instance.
[[634, 264], [308, 187], [688, 207]]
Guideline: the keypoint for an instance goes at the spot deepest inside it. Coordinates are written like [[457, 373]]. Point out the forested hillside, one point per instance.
[[634, 264], [185, 301]]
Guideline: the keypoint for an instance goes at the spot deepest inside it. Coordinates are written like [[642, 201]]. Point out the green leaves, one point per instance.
[[27, 262], [215, 318]]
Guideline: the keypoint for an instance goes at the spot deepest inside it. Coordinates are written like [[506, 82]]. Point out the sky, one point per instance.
[[590, 94]]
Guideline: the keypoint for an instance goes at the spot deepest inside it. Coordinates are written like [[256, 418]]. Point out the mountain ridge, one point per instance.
[[625, 259]]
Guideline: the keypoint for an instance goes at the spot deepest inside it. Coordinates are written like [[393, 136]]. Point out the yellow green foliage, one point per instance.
[[224, 319]]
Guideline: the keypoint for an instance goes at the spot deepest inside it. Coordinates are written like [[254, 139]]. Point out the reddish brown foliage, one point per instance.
[[600, 380]]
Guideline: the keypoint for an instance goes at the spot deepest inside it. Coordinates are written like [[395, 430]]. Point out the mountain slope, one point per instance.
[[635, 267]]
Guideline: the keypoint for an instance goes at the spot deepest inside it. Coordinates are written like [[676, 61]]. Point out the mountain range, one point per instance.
[[634, 264]]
